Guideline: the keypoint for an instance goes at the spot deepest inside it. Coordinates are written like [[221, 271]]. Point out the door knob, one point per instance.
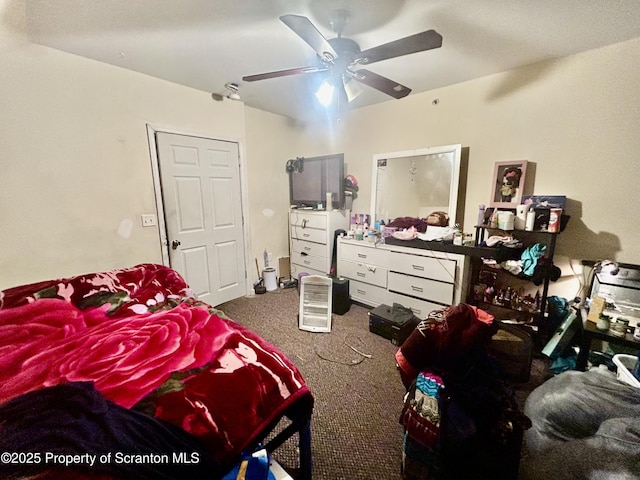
[[175, 244]]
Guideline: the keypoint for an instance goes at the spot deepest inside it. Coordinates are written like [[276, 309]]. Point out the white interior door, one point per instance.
[[200, 182]]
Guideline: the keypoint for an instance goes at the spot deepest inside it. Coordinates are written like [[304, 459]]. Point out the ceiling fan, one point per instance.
[[342, 58]]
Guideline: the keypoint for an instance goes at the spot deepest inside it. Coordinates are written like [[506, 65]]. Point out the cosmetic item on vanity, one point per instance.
[[521, 217], [506, 220], [481, 210], [554, 219], [531, 220]]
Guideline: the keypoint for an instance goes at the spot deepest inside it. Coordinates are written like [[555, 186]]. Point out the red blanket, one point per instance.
[[141, 337]]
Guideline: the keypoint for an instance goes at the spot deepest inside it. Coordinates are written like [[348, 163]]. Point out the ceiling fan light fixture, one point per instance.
[[351, 88], [325, 92]]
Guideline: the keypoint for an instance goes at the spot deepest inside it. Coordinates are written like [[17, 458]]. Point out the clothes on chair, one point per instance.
[[477, 416], [444, 339]]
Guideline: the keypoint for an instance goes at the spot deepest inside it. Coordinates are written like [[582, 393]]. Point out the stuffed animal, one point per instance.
[[438, 219]]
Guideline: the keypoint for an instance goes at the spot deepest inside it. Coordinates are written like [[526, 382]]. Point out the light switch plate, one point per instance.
[[149, 220]]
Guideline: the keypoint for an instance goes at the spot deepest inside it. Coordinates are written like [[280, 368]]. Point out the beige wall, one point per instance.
[[76, 170], [577, 119], [271, 141], [76, 165]]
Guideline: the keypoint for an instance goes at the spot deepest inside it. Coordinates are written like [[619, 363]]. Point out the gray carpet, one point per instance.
[[355, 429]]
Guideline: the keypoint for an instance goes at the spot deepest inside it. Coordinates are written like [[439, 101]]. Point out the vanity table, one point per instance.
[[422, 276], [419, 276]]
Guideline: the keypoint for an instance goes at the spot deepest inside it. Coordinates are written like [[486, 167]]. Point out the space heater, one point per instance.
[[315, 304]]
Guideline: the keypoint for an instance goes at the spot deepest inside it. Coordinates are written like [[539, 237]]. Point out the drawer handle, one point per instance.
[[417, 267], [306, 234], [362, 255], [307, 248], [416, 289], [304, 223], [361, 292], [361, 274], [416, 311], [306, 262], [304, 254]]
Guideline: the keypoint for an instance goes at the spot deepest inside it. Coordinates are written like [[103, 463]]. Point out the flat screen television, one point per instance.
[[312, 178]]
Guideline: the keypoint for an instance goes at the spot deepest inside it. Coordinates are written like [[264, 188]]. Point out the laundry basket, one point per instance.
[[626, 364]]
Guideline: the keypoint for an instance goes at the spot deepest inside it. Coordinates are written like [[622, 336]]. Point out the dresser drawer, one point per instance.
[[310, 248], [317, 263], [307, 220], [367, 293], [363, 254], [363, 272], [309, 234], [420, 308], [297, 269], [428, 267], [422, 287]]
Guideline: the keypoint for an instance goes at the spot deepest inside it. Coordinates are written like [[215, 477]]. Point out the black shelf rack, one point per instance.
[[533, 318]]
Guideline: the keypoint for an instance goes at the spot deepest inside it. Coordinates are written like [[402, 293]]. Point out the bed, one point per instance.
[[124, 373]]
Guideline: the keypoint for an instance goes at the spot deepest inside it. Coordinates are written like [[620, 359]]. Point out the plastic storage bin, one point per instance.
[[626, 364]]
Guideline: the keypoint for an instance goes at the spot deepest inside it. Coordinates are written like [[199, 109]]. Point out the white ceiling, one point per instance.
[[206, 43]]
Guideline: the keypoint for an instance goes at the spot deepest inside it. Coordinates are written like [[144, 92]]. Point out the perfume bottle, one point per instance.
[[481, 210]]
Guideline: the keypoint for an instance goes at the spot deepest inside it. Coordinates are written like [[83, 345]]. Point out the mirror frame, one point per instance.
[[454, 185]]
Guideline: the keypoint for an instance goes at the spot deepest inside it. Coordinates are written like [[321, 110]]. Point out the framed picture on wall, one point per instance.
[[508, 184]]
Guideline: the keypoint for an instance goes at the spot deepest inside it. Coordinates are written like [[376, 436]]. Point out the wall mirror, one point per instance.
[[415, 183]]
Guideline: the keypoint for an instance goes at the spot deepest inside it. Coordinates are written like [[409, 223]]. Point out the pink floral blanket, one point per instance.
[[144, 341]]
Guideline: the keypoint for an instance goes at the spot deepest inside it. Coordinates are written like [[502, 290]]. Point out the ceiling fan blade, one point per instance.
[[306, 30], [381, 83], [415, 43], [282, 73]]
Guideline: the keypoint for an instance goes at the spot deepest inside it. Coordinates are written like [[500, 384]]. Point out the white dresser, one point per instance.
[[311, 237], [417, 278]]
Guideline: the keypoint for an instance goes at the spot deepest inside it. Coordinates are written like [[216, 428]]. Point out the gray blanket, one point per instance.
[[586, 425]]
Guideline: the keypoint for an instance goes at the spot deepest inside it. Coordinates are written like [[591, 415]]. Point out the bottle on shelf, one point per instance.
[[530, 221], [481, 210]]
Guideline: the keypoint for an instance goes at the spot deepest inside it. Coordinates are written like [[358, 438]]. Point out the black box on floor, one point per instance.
[[391, 323], [340, 300]]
